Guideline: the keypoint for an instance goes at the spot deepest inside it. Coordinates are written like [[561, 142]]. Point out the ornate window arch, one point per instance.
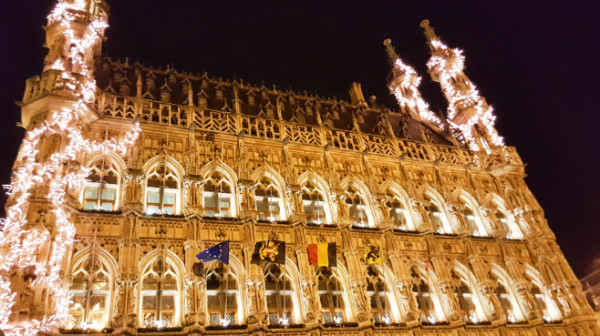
[[467, 295], [222, 302], [278, 294], [472, 216], [434, 206], [424, 297], [331, 295], [542, 296], [102, 188], [506, 296], [160, 300], [218, 195], [91, 292], [163, 190], [315, 203], [506, 220], [357, 203], [398, 210], [269, 199], [379, 296]]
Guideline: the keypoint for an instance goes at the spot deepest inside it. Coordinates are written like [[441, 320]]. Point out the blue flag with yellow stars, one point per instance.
[[218, 252]]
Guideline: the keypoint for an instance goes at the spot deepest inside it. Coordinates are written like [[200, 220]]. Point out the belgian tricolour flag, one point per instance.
[[322, 255]]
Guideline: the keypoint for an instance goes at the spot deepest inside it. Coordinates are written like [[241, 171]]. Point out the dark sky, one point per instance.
[[536, 61]]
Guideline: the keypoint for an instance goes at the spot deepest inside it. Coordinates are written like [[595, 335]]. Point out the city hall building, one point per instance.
[[312, 216]]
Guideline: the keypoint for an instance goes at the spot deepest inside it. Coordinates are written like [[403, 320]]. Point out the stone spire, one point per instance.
[[468, 113], [404, 85]]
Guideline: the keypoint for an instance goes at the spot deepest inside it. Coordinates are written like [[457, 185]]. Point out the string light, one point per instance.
[[466, 108], [60, 174]]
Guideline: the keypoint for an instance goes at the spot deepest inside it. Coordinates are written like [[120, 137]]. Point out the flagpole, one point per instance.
[[226, 290]]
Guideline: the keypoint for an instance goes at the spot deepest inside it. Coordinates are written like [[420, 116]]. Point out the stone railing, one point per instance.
[[209, 120]]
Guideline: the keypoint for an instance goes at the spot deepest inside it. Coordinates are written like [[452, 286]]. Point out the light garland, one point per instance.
[[405, 87], [19, 244], [464, 101]]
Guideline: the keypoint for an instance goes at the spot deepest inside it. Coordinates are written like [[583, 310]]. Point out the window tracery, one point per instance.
[[101, 188], [463, 294], [162, 191], [422, 295], [218, 196], [221, 295], [331, 296], [159, 295], [90, 295], [398, 211], [438, 219], [278, 292], [379, 296], [357, 208], [314, 204], [268, 200]]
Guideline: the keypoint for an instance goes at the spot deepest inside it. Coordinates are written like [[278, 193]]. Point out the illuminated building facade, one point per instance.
[[127, 172]]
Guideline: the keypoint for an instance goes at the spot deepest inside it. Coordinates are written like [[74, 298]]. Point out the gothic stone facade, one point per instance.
[[465, 246]]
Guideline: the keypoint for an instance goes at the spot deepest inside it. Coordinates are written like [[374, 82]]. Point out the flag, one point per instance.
[[426, 260], [373, 255], [322, 254], [270, 250], [218, 252]]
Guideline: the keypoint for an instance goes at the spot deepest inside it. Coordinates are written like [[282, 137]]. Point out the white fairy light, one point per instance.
[[447, 65], [19, 244]]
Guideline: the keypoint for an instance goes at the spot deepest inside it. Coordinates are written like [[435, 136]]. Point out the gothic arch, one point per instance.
[[239, 273], [482, 223], [553, 311], [230, 175], [280, 184], [508, 283], [343, 277], [426, 192], [432, 281], [113, 159], [404, 199], [471, 281], [171, 164], [388, 277], [350, 181], [322, 185]]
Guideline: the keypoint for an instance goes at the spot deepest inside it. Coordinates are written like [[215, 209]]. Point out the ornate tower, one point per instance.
[[468, 113], [57, 114]]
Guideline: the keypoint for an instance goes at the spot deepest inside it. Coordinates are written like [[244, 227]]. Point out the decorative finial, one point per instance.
[[429, 33], [390, 50]]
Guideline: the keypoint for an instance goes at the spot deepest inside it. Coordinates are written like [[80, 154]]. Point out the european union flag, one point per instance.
[[218, 252]]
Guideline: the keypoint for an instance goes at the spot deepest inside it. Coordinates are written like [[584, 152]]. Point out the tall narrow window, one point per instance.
[[422, 295], [471, 221], [278, 291], [504, 299], [90, 292], [397, 211], [267, 200], [378, 294], [435, 216], [100, 192], [313, 204], [357, 210], [221, 290], [540, 301], [218, 196], [162, 191], [463, 294], [508, 225], [331, 296], [160, 295]]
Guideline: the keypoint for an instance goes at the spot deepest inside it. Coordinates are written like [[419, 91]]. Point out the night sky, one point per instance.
[[537, 62]]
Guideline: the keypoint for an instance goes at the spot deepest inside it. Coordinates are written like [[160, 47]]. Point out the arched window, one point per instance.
[[378, 294], [160, 295], [313, 203], [162, 191], [438, 219], [398, 211], [101, 188], [505, 302], [331, 296], [90, 295], [357, 209], [221, 290], [463, 294], [268, 200], [471, 221], [422, 295], [506, 222], [472, 217], [218, 196], [540, 301], [278, 292]]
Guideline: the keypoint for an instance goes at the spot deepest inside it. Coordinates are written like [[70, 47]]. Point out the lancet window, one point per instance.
[[422, 294], [331, 296], [378, 294], [313, 203], [472, 219], [162, 191], [218, 196], [268, 200], [505, 301], [100, 191], [397, 211], [357, 209], [436, 216], [278, 292], [221, 289], [463, 294], [506, 222], [90, 295], [159, 295]]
